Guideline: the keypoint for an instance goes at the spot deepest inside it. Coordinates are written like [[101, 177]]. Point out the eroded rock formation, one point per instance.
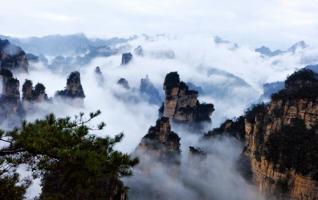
[[161, 142], [124, 83], [36, 94], [281, 139], [12, 57], [181, 104], [73, 88], [10, 104], [276, 168], [32, 95], [126, 58]]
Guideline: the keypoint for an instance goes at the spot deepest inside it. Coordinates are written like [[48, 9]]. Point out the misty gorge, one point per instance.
[[141, 100]]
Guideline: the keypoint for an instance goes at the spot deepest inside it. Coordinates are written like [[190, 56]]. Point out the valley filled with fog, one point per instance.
[[225, 74], [229, 75]]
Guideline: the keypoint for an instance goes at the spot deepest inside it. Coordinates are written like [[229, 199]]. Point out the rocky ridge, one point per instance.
[[31, 95], [12, 57], [181, 104], [281, 139], [10, 104], [73, 87], [161, 142]]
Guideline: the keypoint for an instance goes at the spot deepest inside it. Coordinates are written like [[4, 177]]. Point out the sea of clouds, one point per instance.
[[243, 72]]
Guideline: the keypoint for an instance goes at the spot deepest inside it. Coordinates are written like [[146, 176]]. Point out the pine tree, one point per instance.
[[72, 163]]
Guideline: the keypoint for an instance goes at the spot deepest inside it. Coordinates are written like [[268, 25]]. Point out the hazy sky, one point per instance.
[[277, 23]]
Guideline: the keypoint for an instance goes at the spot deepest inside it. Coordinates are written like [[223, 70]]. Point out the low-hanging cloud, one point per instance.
[[243, 74]]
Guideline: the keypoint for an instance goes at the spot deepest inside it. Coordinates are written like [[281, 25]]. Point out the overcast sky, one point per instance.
[[277, 23]]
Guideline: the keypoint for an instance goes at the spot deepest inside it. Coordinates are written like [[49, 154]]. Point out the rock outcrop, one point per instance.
[[281, 139], [277, 167], [231, 127], [73, 88], [124, 83], [126, 58], [161, 142], [32, 95], [36, 94], [10, 104], [181, 104], [12, 57], [99, 76]]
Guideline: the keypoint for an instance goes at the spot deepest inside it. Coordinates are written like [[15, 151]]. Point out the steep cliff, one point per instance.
[[73, 88], [281, 139], [31, 95], [126, 58], [160, 142], [181, 104], [12, 57], [10, 104]]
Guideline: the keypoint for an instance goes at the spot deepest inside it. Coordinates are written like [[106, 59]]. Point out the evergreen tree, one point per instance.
[[71, 163]]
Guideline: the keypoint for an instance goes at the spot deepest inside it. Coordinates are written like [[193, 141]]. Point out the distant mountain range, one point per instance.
[[55, 45], [265, 51]]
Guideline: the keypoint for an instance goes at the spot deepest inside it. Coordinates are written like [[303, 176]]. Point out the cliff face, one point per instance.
[[12, 57], [281, 139], [10, 104], [73, 87], [32, 95], [181, 104], [282, 185], [36, 94], [161, 142], [268, 175], [126, 58]]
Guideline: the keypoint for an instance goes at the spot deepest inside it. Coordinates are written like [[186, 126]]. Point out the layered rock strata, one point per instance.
[[281, 139], [181, 104], [161, 142], [73, 88]]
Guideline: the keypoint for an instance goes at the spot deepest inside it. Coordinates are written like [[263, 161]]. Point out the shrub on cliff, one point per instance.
[[254, 111], [294, 147], [301, 84]]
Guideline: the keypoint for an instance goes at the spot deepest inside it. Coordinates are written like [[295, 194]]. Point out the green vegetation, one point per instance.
[[301, 84], [294, 147], [254, 111], [303, 75], [72, 163], [172, 79], [234, 127], [282, 186]]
